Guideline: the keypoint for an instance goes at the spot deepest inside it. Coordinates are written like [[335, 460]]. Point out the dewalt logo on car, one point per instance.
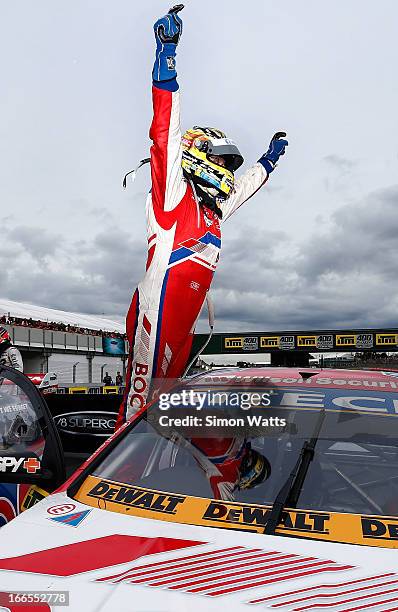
[[378, 528], [376, 531], [112, 493], [256, 516]]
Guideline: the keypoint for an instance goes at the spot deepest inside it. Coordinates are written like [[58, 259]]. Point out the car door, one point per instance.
[[31, 460]]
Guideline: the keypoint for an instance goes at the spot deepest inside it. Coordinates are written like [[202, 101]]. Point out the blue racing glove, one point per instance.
[[168, 31], [276, 149]]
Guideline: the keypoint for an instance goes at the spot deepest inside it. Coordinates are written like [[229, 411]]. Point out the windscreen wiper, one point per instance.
[[289, 493]]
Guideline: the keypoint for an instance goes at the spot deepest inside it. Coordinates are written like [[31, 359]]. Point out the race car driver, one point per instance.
[[9, 354], [230, 464], [193, 191]]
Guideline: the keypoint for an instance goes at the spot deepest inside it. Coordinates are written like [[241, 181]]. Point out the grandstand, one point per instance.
[[68, 343], [23, 311]]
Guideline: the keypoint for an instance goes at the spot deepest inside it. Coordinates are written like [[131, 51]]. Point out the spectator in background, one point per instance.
[[119, 379], [9, 354], [56, 326], [107, 380]]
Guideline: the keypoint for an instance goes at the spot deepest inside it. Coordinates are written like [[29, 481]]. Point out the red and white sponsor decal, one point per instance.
[[46, 383], [226, 570], [371, 593], [328, 379], [61, 509], [139, 382], [92, 555], [36, 378], [215, 572], [31, 465], [139, 385], [12, 464]]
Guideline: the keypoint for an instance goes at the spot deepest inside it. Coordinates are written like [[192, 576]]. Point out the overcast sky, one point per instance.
[[317, 247]]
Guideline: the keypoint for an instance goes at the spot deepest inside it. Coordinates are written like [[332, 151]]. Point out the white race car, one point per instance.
[[300, 513], [47, 382]]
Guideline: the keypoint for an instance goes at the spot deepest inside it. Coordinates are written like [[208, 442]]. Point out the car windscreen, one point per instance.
[[20, 430], [246, 455]]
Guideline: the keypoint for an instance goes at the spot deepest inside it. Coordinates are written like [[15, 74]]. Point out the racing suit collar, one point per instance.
[[209, 202]]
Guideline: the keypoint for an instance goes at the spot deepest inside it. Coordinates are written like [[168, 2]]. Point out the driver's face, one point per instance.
[[217, 159]]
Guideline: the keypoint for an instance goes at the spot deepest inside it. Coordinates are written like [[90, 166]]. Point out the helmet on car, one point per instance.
[[199, 144], [254, 469]]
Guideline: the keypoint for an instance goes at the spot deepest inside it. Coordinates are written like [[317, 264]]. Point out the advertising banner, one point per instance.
[[113, 346]]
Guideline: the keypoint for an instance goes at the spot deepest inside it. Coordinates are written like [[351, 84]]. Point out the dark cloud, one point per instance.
[[361, 240], [91, 276], [38, 242], [343, 275]]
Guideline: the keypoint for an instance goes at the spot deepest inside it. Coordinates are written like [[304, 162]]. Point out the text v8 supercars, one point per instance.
[[285, 498]]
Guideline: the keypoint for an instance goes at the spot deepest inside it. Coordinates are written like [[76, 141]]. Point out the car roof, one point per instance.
[[278, 371], [330, 382]]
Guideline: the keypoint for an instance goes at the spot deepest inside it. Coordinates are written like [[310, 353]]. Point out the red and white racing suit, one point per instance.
[[12, 358], [220, 459], [184, 241]]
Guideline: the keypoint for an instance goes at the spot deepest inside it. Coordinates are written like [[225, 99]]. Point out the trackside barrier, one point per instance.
[[110, 390], [81, 390], [92, 414], [91, 389]]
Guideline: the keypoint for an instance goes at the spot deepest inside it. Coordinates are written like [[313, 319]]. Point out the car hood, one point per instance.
[[109, 561]]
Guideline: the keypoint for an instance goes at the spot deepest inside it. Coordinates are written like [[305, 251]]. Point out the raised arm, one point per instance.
[[254, 178], [165, 131]]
